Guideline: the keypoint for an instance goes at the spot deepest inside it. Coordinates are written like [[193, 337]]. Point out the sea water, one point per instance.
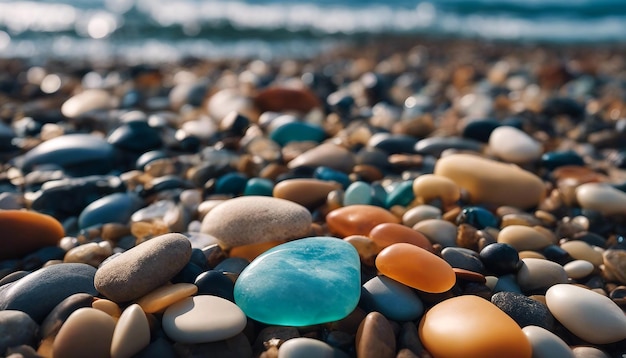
[[163, 30]]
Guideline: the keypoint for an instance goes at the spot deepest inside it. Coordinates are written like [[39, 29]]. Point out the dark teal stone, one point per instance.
[[301, 283], [500, 259], [231, 183], [166, 182], [114, 208], [297, 132], [259, 186], [401, 195], [557, 254], [478, 217], [329, 174], [6, 138], [77, 154], [507, 283], [553, 160], [215, 283], [380, 195], [480, 130], [393, 143], [233, 265], [135, 136], [38, 293]]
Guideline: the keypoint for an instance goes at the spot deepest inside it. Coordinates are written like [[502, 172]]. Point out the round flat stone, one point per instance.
[[131, 334], [300, 283], [546, 344], [469, 326], [537, 274], [164, 296], [255, 219], [581, 250], [375, 337], [88, 332], [590, 316], [202, 319], [302, 347], [578, 269], [514, 145], [358, 219], [143, 268], [394, 300], [309, 193], [390, 233], [491, 182], [416, 267], [26, 231], [88, 100], [326, 154], [601, 197], [523, 238]]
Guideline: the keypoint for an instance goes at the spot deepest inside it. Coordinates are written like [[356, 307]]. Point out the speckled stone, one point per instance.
[[26, 231], [17, 328], [537, 274], [38, 293], [255, 219], [143, 268], [375, 337], [87, 332], [524, 310], [590, 316]]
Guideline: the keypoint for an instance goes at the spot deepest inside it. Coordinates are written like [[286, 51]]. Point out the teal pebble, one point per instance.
[[401, 195], [231, 183], [297, 132], [300, 283], [259, 186], [358, 193], [329, 174]]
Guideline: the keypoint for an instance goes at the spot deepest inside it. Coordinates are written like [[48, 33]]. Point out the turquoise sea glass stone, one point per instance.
[[401, 195], [358, 193], [297, 132], [300, 283]]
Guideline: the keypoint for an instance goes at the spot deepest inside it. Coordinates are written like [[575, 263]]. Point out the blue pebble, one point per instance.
[[329, 174], [358, 193], [113, 208], [297, 132], [401, 195], [259, 186], [553, 160], [478, 217], [231, 183]]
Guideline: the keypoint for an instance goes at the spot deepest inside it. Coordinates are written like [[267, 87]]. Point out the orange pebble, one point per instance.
[[358, 219], [416, 267], [390, 233], [26, 231]]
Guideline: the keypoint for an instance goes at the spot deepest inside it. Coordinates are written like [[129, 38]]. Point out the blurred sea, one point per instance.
[[163, 30]]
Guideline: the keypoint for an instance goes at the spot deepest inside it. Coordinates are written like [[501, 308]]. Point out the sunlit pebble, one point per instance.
[[101, 26], [5, 40], [51, 83], [35, 75]]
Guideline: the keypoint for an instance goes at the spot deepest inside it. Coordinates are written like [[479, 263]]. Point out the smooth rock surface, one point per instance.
[[615, 265], [581, 250], [514, 145], [306, 348], [469, 326], [590, 316], [302, 282], [165, 296], [578, 269], [390, 233], [491, 182], [326, 154], [143, 268], [375, 338], [309, 193], [17, 328], [88, 332], [55, 319], [546, 344], [428, 187], [202, 319], [26, 231], [500, 258], [88, 100], [415, 267], [394, 300], [358, 219], [255, 219], [131, 334], [601, 197], [438, 231], [537, 274], [116, 207], [523, 238]]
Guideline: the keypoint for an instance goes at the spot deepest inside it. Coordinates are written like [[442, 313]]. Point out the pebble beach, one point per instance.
[[395, 197]]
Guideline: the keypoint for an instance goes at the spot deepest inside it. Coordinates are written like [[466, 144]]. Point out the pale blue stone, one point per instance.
[[358, 193], [300, 283], [392, 299]]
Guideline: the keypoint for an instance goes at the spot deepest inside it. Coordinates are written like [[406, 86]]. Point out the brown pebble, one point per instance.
[[88, 332], [281, 99], [26, 231], [306, 192], [358, 219], [375, 338], [91, 253], [366, 248], [109, 307]]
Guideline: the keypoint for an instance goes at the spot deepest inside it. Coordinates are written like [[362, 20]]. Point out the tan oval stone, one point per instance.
[[418, 213], [165, 296], [91, 253], [531, 255], [615, 265], [538, 274], [375, 337], [366, 248], [601, 197], [588, 352], [109, 307], [132, 333], [87, 332], [326, 154], [491, 182], [523, 238], [358, 219], [88, 100], [578, 269], [306, 192], [428, 187], [438, 231], [580, 250]]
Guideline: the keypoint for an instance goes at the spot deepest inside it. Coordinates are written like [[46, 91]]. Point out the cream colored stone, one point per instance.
[[580, 250], [132, 333], [86, 101], [491, 182], [87, 332], [578, 269], [537, 274], [514, 145], [546, 344], [109, 307], [601, 197], [419, 213], [428, 187], [306, 348], [165, 296], [523, 238]]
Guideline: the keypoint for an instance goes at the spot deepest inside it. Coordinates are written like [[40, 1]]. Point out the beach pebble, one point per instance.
[[358, 193], [309, 193], [469, 326], [91, 253], [88, 332], [391, 233], [500, 258], [436, 145], [107, 306], [54, 320], [578, 269], [76, 153], [226, 101], [546, 344], [302, 347], [143, 268], [524, 310], [358, 219], [514, 146], [394, 300], [38, 293], [588, 352], [428, 187], [615, 265], [24, 232], [523, 238], [401, 195], [553, 160], [375, 337], [282, 99], [135, 136], [255, 219], [580, 250], [297, 132], [302, 282], [491, 182], [601, 197], [366, 248], [416, 267], [202, 319], [590, 316], [131, 334], [537, 274], [419, 213], [165, 296], [438, 231], [466, 259], [326, 154], [116, 208], [17, 328], [88, 100]]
